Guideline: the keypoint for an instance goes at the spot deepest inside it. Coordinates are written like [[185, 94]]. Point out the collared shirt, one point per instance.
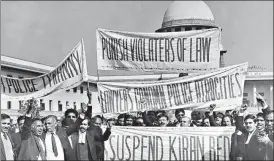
[[7, 147], [49, 151], [82, 137], [43, 147], [249, 136]]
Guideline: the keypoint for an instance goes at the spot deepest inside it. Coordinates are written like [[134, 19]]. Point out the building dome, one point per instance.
[[188, 13]]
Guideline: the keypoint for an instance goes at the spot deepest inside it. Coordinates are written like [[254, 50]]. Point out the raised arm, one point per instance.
[[211, 116], [76, 125], [26, 129], [240, 119]]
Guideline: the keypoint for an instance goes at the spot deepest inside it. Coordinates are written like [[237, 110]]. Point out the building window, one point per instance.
[[50, 105], [245, 99], [168, 30], [9, 104], [74, 105], [8, 75], [60, 108], [75, 89], [67, 90], [246, 102], [20, 77], [188, 28], [67, 104], [199, 28], [178, 29], [245, 94], [42, 105], [82, 89], [262, 93]]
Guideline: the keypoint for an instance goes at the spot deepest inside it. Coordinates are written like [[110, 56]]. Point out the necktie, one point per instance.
[[54, 148], [5, 136]]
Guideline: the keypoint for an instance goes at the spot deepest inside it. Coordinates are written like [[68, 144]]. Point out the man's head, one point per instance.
[[67, 122], [139, 121], [199, 120], [112, 121], [128, 120], [95, 122], [51, 123], [163, 120], [72, 114], [186, 121], [121, 120], [219, 119], [84, 125], [250, 123], [179, 114], [20, 122], [5, 123], [206, 122], [37, 127], [260, 121], [269, 120], [151, 115], [227, 121]]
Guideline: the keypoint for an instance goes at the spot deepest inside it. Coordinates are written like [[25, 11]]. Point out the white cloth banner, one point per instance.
[[188, 51], [171, 143], [70, 73], [223, 87]]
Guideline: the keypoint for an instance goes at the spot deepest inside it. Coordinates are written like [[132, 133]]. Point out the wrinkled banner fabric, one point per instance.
[[70, 73], [223, 87], [160, 143], [189, 51]]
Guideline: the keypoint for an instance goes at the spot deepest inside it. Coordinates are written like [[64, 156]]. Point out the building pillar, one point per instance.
[[254, 95], [271, 96]]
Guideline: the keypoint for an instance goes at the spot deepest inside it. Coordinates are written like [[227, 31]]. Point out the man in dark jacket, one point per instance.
[[56, 138], [32, 147], [16, 137], [7, 145], [99, 136]]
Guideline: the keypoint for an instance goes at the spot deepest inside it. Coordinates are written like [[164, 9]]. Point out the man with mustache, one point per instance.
[[260, 120], [7, 145], [83, 142], [32, 147]]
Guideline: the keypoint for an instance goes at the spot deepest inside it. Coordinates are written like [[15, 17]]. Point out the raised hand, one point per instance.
[[261, 100], [212, 107], [243, 108]]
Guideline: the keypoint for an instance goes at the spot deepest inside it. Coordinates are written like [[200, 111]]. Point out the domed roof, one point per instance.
[[186, 13]]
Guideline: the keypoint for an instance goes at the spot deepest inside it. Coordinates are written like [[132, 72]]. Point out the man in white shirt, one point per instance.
[[56, 138], [7, 145]]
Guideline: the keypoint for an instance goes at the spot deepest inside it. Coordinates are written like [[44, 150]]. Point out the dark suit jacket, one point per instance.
[[237, 146], [63, 136], [29, 148], [91, 145], [99, 139], [16, 138], [251, 151], [3, 154]]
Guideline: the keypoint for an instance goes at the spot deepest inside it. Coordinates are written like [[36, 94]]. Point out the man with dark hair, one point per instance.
[[163, 120], [16, 137], [218, 119], [121, 120], [71, 114], [249, 132], [179, 114], [129, 120], [7, 145], [260, 121], [150, 118], [227, 120]]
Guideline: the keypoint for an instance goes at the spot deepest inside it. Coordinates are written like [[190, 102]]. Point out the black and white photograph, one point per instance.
[[136, 80]]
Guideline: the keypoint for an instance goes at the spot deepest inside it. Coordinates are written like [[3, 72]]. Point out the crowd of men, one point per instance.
[[80, 137]]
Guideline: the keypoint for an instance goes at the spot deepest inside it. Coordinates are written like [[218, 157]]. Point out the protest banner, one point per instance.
[[70, 73], [189, 51], [223, 87], [170, 143]]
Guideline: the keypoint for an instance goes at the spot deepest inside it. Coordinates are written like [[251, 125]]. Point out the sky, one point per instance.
[[46, 31]]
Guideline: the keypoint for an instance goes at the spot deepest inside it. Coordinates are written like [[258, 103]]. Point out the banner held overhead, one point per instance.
[[223, 87], [70, 73], [188, 51]]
